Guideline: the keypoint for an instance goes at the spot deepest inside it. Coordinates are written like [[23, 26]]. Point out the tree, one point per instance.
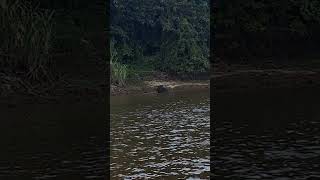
[[172, 35]]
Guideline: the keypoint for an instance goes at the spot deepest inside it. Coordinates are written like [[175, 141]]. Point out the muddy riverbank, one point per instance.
[[18, 90], [227, 79], [150, 87], [265, 79], [236, 79], [14, 90]]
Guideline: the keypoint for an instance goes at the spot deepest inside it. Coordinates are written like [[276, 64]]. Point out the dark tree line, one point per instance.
[[252, 29], [35, 34], [166, 35], [61, 4]]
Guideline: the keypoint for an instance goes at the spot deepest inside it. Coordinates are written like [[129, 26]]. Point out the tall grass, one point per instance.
[[119, 73], [26, 35]]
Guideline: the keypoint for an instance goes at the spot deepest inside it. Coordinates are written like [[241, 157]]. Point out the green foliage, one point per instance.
[[183, 56], [262, 28], [170, 36], [119, 72], [26, 34]]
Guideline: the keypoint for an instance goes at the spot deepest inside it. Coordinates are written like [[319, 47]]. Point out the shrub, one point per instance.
[[119, 73], [26, 36]]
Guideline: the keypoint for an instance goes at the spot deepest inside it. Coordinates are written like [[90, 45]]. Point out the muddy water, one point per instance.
[[267, 135], [160, 137], [53, 141]]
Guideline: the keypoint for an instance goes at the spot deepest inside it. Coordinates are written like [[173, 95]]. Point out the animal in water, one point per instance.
[[161, 89]]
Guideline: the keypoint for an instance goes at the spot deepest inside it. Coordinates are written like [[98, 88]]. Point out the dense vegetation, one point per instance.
[[26, 35], [257, 30], [36, 34], [171, 36], [50, 45]]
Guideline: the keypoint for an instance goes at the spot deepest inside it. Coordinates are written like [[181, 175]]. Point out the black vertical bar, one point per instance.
[[212, 120], [108, 174]]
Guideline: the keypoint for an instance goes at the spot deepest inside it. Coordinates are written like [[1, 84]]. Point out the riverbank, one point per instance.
[[150, 86], [223, 79], [70, 88], [238, 78], [16, 89]]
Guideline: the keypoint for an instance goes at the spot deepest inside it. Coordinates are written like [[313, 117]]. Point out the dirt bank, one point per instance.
[[235, 79], [265, 79], [14, 90], [18, 90], [149, 87]]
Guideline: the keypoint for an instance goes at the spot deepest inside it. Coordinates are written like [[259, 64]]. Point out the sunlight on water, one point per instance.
[[168, 139]]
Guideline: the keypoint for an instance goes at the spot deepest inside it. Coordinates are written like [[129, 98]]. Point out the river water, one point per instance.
[[53, 141], [165, 136], [272, 134]]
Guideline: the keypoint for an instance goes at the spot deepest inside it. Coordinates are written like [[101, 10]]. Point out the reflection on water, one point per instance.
[[164, 136], [267, 135], [56, 141]]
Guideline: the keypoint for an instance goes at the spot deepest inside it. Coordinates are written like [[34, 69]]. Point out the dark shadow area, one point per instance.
[[54, 89], [262, 31], [267, 135], [262, 40], [264, 83]]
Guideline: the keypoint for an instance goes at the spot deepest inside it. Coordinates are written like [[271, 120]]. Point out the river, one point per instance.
[[164, 136], [271, 134], [258, 135], [53, 141]]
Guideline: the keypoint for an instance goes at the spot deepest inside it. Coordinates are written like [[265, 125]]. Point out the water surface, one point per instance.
[[160, 137], [53, 141], [267, 135]]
